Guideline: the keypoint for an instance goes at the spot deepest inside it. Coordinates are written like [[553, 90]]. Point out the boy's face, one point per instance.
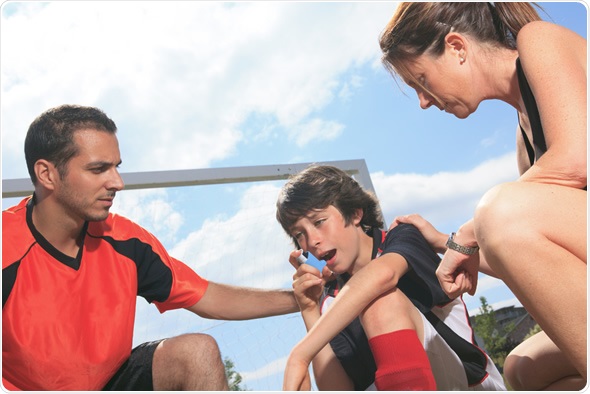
[[325, 234]]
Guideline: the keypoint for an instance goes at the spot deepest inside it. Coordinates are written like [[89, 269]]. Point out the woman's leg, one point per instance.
[[537, 364], [534, 238]]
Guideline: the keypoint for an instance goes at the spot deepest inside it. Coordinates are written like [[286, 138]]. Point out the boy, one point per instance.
[[419, 339]]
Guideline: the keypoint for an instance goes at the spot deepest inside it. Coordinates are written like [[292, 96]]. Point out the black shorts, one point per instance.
[[136, 373]]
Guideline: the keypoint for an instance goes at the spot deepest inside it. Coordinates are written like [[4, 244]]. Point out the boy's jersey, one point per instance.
[[67, 323], [448, 318]]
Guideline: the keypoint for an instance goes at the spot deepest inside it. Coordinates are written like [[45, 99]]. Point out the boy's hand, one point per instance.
[[307, 283], [296, 376]]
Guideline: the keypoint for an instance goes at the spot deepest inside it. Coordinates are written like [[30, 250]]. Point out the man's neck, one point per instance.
[[58, 228]]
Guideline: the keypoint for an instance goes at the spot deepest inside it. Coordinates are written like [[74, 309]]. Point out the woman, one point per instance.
[[530, 233]]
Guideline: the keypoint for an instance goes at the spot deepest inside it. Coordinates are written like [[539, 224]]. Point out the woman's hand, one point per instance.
[[435, 238], [457, 273]]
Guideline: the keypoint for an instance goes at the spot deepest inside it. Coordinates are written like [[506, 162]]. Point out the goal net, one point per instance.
[[221, 222]]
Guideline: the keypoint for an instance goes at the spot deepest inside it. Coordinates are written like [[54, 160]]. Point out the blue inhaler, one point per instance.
[[308, 258]]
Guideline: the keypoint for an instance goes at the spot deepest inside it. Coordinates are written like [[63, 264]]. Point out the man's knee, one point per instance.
[[189, 361], [188, 345]]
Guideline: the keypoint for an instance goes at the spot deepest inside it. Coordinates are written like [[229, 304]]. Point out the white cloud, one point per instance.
[[151, 208], [444, 197], [486, 283], [248, 248], [180, 78], [315, 131], [498, 305], [272, 368]]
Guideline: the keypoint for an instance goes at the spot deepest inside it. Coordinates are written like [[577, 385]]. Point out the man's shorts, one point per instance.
[[136, 373]]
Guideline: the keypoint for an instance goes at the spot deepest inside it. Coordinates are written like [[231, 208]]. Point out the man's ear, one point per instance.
[[457, 44], [46, 174]]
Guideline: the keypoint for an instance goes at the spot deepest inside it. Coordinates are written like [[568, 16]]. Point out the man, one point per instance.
[[71, 272], [410, 335]]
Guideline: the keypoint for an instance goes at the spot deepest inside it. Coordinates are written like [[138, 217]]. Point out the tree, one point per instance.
[[234, 379], [494, 336], [536, 329]]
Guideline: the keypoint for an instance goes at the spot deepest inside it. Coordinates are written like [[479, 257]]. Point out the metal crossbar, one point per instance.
[[208, 176]]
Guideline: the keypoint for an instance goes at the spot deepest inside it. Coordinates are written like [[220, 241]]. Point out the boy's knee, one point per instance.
[[390, 312]]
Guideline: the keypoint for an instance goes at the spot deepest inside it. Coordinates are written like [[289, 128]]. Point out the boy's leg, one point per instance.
[[396, 331]]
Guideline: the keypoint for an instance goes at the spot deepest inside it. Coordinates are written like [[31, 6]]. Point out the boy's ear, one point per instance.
[[358, 216]]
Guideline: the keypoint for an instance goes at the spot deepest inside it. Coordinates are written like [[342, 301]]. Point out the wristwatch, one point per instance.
[[451, 244]]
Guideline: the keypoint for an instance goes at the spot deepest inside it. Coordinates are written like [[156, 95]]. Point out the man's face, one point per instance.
[[92, 178], [324, 234]]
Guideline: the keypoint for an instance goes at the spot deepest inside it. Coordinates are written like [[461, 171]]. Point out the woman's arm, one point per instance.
[[554, 61], [438, 240]]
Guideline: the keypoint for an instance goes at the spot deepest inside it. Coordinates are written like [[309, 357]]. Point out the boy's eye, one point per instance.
[[297, 235], [320, 221]]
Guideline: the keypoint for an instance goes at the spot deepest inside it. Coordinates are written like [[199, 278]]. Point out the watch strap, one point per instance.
[[468, 250]]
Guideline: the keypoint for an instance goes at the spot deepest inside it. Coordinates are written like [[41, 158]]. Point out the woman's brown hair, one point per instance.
[[419, 28]]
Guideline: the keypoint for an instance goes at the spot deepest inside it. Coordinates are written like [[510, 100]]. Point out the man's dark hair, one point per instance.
[[319, 186], [50, 136]]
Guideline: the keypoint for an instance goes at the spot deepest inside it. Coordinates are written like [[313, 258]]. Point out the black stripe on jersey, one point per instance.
[[8, 279], [154, 278], [473, 359]]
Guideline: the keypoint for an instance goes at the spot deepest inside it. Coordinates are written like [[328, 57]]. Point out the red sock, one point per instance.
[[402, 363]]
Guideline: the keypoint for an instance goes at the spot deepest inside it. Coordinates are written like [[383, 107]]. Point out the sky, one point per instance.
[[213, 84]]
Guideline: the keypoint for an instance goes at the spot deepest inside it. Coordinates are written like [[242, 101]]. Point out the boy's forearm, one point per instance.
[[362, 288]]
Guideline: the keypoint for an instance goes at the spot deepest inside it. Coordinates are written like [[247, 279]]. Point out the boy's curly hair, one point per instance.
[[319, 186]]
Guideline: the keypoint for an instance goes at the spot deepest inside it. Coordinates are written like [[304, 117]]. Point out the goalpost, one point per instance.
[[221, 222]]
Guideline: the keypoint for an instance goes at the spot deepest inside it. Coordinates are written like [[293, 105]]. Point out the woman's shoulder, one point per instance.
[[541, 34], [549, 48]]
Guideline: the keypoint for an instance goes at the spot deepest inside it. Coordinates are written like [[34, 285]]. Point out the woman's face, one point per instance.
[[444, 82]]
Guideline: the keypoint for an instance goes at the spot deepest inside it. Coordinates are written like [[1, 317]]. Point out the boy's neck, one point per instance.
[[366, 251]]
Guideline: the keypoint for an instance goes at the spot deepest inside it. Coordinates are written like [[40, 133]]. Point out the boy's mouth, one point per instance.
[[328, 255]]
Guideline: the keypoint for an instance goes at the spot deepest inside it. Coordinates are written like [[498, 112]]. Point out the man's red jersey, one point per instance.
[[67, 323]]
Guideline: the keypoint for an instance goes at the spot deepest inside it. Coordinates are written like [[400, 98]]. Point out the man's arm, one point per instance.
[[225, 302]]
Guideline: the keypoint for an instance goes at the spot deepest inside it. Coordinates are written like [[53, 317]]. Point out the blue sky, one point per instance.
[[210, 84]]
